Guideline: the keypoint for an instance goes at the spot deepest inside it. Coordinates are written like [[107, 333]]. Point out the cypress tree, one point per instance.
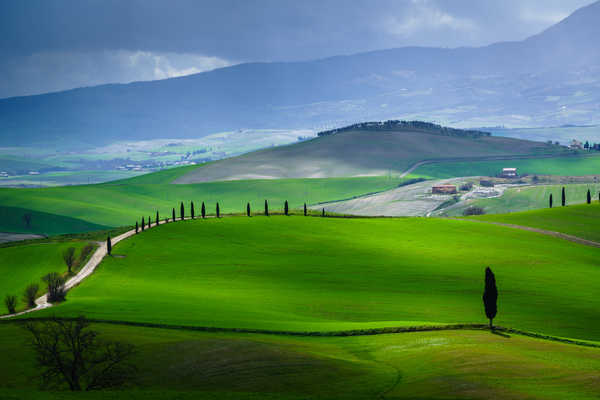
[[143, 224], [564, 197], [157, 218], [490, 296], [182, 211], [550, 200], [266, 208], [248, 209], [192, 212], [173, 215], [203, 211], [589, 197], [285, 208], [137, 227], [323, 213], [149, 222], [108, 245], [218, 211], [305, 209]]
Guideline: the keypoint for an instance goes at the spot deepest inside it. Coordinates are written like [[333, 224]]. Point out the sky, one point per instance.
[[51, 45]]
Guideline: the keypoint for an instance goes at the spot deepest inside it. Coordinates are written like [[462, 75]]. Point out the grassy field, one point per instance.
[[564, 166], [13, 220], [315, 274], [357, 153], [25, 264], [426, 365], [577, 220], [531, 198], [123, 202]]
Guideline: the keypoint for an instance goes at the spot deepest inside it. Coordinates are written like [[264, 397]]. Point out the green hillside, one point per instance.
[[14, 219], [361, 152], [577, 220], [530, 198], [429, 365], [92, 207], [25, 264], [562, 166], [322, 274]]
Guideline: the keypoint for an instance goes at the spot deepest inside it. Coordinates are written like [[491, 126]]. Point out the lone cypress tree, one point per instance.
[[286, 208], [218, 211], [182, 211], [157, 218], [266, 208], [550, 200], [564, 197], [143, 224], [248, 209], [490, 296], [305, 211], [137, 227], [108, 245], [323, 213], [203, 210], [173, 215], [589, 197], [192, 212]]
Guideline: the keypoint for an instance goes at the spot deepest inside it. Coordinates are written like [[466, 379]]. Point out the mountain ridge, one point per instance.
[[538, 81]]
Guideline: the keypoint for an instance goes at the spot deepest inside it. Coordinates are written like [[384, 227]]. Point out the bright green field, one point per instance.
[[578, 220], [121, 203], [564, 166], [24, 264], [428, 365], [323, 274], [532, 198], [42, 223]]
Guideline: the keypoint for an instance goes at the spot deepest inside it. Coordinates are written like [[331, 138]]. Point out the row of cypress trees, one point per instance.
[[143, 225], [563, 199]]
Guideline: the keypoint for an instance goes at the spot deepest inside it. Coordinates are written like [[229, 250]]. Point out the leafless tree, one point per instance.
[[56, 287], [27, 220], [69, 257], [69, 354]]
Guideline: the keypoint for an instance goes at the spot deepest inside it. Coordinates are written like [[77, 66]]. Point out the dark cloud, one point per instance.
[[35, 34]]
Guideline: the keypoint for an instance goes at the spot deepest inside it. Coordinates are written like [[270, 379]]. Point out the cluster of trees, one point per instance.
[[399, 126], [55, 282], [563, 198]]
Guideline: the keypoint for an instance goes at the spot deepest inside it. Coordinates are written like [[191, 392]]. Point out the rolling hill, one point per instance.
[[365, 149], [547, 80]]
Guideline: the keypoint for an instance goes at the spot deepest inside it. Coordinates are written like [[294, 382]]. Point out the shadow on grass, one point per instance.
[[495, 332]]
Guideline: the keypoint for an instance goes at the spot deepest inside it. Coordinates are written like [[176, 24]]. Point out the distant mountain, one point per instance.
[[549, 79], [367, 149]]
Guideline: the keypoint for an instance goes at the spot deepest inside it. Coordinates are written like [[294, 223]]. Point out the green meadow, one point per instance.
[[577, 220], [330, 274], [176, 364], [25, 264], [532, 198], [562, 166], [123, 202]]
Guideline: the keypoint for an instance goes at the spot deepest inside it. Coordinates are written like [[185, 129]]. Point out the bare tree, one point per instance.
[[10, 301], [27, 220], [70, 354], [30, 294], [69, 257], [56, 287]]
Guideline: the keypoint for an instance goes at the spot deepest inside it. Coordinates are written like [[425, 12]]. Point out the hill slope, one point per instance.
[[325, 274], [361, 151], [549, 79]]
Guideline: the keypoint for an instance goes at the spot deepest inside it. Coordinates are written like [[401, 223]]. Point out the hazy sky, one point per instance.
[[49, 45]]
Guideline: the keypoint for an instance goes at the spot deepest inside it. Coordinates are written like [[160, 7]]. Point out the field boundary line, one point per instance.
[[559, 235], [343, 333]]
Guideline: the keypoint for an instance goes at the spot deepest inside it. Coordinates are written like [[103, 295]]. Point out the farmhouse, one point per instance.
[[444, 189], [509, 173]]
